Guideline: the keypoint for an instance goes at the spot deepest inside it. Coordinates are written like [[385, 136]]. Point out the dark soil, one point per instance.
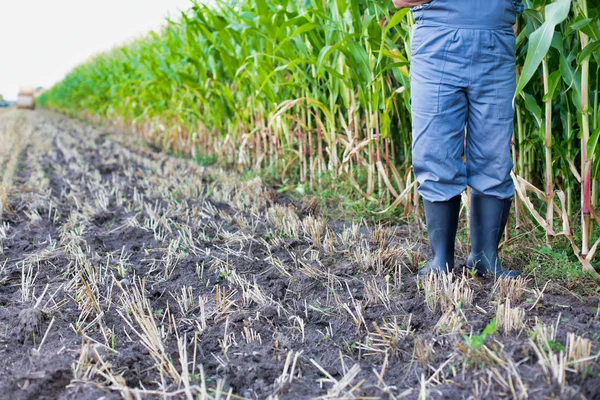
[[94, 211]]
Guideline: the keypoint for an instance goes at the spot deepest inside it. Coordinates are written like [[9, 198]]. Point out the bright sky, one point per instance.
[[42, 40]]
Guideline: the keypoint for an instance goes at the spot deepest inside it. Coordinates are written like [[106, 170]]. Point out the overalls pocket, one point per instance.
[[416, 40], [427, 67], [505, 78]]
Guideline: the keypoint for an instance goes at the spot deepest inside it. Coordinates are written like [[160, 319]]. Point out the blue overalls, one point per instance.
[[463, 81], [463, 76]]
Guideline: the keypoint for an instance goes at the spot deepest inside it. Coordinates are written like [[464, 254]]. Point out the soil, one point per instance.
[[128, 273]]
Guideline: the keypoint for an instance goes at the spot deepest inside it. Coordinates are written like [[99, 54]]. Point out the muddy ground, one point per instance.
[[127, 273]]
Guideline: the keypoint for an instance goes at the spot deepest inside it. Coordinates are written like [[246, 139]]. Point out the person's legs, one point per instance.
[[439, 111], [489, 132]]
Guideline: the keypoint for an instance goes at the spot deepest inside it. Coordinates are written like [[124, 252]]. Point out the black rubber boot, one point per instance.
[[488, 219], [442, 222]]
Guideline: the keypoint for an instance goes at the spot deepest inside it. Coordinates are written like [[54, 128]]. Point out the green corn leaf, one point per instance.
[[540, 40], [395, 20], [553, 82], [580, 24], [391, 66], [591, 48], [262, 8], [532, 106], [593, 143]]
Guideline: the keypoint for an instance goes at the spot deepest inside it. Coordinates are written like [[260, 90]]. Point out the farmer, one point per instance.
[[463, 80]]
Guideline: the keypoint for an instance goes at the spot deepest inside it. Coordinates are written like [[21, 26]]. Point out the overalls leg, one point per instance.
[[490, 120], [439, 112], [489, 132]]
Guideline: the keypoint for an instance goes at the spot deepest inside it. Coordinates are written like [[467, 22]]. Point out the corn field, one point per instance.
[[320, 89]]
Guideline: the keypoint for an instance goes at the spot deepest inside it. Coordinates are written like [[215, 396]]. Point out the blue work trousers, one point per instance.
[[463, 83]]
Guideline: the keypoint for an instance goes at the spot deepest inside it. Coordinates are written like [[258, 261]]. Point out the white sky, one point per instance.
[[42, 40]]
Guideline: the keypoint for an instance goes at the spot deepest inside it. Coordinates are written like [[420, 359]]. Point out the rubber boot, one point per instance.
[[488, 219], [442, 222]]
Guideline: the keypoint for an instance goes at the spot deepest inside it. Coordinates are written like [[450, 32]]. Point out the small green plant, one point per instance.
[[555, 346], [221, 277], [475, 353], [477, 341], [158, 312], [122, 271]]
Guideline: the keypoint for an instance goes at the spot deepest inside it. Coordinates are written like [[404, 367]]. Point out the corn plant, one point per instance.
[[559, 35]]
